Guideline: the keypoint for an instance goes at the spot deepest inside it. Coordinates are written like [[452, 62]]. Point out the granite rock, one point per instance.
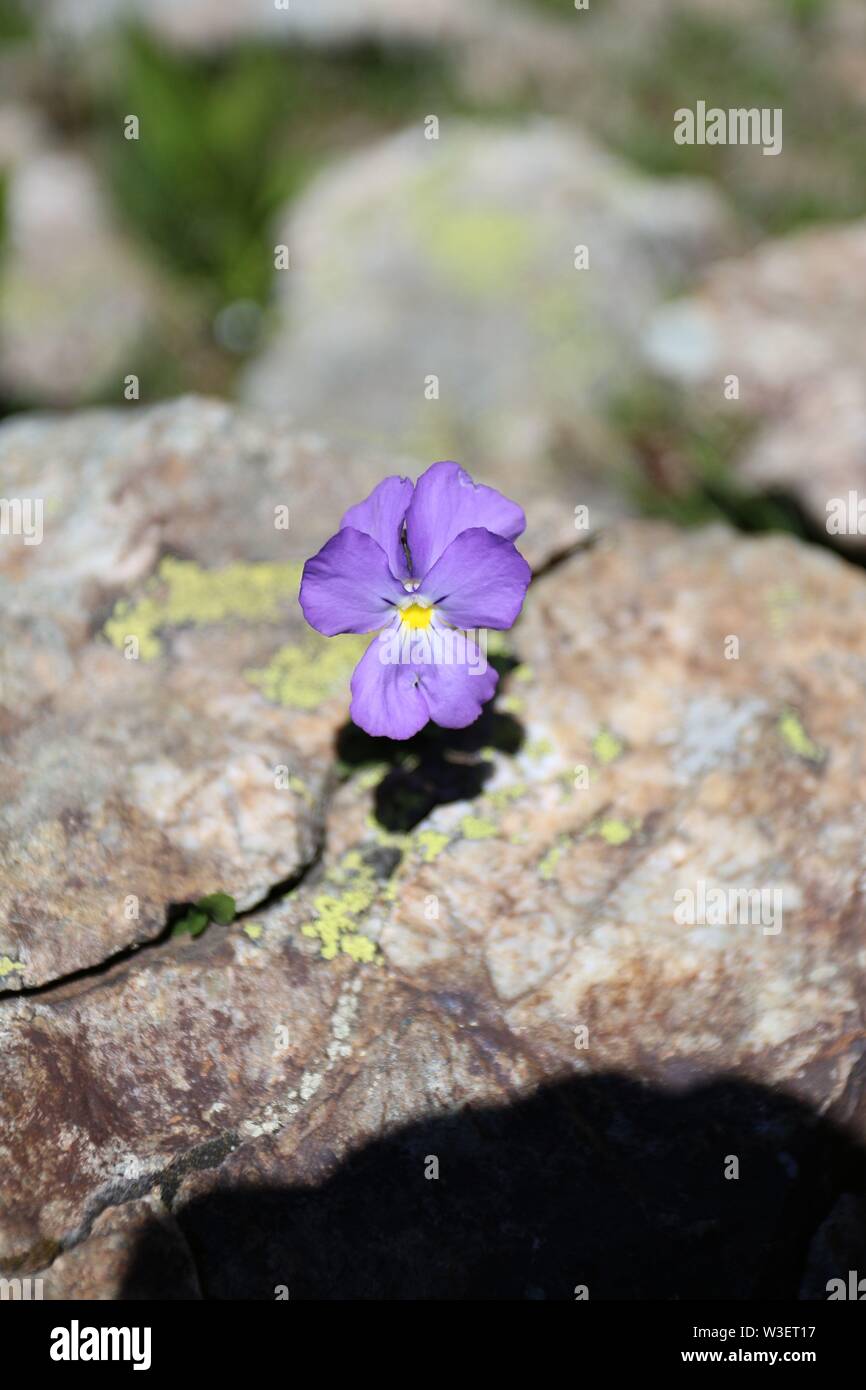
[[785, 320], [489, 966]]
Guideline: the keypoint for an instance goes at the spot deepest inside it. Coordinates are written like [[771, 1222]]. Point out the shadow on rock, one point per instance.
[[435, 767], [599, 1181]]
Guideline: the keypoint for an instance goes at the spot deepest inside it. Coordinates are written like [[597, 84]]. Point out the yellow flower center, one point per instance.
[[416, 615]]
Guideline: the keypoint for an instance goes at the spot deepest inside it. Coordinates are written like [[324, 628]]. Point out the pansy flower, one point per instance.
[[423, 564]]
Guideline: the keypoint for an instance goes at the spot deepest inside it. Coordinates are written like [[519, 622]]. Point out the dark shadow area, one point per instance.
[[598, 1181], [435, 767]]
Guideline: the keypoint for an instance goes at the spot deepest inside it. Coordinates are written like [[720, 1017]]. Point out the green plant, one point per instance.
[[216, 907]]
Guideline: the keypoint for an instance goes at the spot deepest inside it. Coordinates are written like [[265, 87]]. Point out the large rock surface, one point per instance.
[[787, 320], [455, 258], [254, 1112], [143, 764]]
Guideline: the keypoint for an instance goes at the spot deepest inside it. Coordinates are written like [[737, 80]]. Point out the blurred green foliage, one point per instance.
[[732, 66], [683, 471], [226, 141], [14, 21], [229, 138]]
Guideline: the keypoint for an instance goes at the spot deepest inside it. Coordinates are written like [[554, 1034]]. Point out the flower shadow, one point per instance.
[[435, 767]]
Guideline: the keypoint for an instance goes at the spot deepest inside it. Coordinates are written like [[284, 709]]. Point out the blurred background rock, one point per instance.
[[454, 258]]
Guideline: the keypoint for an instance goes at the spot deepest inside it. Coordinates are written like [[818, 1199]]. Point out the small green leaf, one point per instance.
[[192, 924], [220, 907]]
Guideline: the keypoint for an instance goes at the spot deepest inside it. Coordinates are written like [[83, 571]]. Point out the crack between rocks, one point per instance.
[[212, 1153], [200, 1158], [130, 954], [558, 558], [207, 1156], [278, 890]]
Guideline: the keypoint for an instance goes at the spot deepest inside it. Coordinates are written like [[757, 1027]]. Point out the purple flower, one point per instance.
[[423, 562]]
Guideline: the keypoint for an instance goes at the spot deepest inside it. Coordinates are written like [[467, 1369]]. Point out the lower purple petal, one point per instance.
[[456, 693], [386, 699]]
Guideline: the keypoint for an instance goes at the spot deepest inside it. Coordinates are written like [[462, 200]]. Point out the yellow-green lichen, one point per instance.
[[338, 913], [615, 832], [479, 251], [497, 643], [253, 930], [299, 786], [370, 777], [182, 594], [392, 839], [792, 731], [539, 748], [7, 965], [606, 747], [547, 867], [430, 844], [359, 947], [523, 673], [302, 675], [782, 601], [477, 828], [512, 704], [501, 798]]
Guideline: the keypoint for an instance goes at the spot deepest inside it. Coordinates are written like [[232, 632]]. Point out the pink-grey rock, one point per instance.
[[786, 321], [167, 717], [77, 302], [102, 1267], [503, 985]]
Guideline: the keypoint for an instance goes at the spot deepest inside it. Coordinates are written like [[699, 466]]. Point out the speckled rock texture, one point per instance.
[[474, 1051], [787, 321], [151, 647]]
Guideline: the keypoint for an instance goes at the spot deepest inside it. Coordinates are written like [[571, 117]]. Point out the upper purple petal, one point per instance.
[[480, 581], [386, 700], [348, 587], [446, 502], [381, 516]]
